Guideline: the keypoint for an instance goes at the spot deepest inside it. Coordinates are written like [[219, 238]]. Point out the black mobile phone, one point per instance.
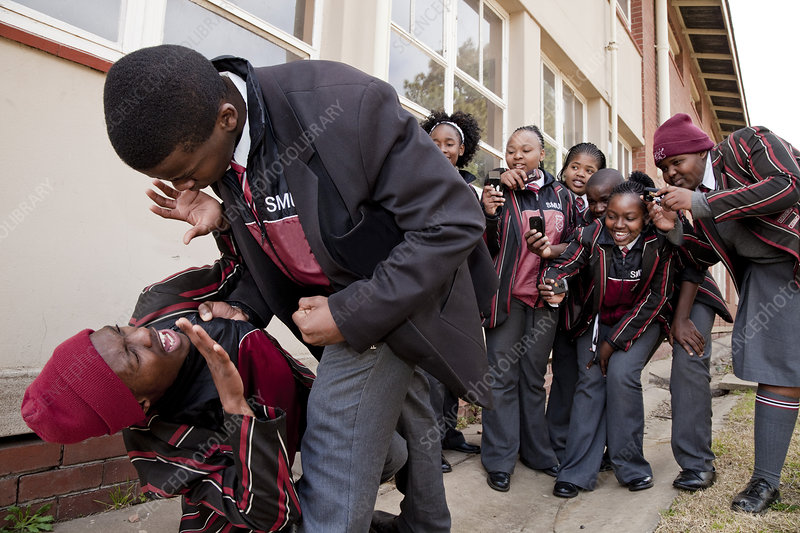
[[650, 195], [494, 180], [559, 286], [536, 223]]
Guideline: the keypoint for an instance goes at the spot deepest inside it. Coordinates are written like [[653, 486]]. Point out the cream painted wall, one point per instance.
[[524, 72], [574, 37], [629, 86], [77, 242]]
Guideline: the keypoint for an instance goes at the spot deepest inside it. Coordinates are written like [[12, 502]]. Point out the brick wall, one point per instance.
[[76, 479]]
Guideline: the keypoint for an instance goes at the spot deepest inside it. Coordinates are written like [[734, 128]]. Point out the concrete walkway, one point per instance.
[[529, 506]]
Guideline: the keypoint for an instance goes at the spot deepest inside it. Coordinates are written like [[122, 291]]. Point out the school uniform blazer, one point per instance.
[[503, 236], [758, 182], [592, 249], [387, 218]]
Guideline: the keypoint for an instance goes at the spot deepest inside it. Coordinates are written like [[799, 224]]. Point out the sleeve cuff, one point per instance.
[[700, 207]]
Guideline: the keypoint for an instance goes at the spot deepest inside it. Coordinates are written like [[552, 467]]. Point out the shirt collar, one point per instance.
[[631, 244], [708, 174], [242, 150]]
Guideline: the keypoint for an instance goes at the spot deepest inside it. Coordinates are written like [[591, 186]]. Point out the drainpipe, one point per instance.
[[662, 59], [612, 52]]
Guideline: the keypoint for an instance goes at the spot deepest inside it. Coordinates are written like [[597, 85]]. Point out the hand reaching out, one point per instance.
[[226, 377], [197, 208]]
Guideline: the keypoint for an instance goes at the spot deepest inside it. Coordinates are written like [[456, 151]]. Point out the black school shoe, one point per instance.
[[756, 497], [383, 522], [500, 481], [446, 466], [693, 480], [640, 483], [565, 489]]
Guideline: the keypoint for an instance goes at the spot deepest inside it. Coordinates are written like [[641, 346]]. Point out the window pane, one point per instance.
[[401, 13], [549, 102], [415, 75], [481, 164], [190, 25], [492, 51], [488, 115], [429, 23], [623, 5], [295, 17], [100, 17], [467, 32], [573, 118], [551, 157]]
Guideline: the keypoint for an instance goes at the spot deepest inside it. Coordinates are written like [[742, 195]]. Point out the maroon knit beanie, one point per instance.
[[77, 396], [677, 136]]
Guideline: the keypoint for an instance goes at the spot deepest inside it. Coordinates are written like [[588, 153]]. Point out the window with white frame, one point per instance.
[[451, 56], [265, 33], [624, 159], [625, 7], [563, 117]]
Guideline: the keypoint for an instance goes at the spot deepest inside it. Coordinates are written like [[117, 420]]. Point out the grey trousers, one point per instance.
[[608, 412], [357, 401], [445, 409], [518, 350], [691, 398], [562, 390]]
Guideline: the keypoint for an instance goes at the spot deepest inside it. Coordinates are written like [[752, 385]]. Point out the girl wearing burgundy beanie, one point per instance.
[[743, 195]]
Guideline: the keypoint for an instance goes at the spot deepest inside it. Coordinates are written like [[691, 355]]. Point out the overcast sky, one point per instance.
[[768, 41]]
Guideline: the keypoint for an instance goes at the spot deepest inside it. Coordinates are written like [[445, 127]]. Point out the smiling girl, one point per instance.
[[521, 327], [631, 267]]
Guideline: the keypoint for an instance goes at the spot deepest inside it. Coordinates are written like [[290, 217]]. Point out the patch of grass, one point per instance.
[[123, 495], [709, 510], [472, 415], [26, 520]]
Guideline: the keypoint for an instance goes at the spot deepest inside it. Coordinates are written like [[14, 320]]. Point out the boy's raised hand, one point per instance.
[[223, 371], [197, 208]]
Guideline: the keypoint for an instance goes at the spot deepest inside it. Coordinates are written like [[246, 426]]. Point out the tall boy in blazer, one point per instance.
[[340, 205]]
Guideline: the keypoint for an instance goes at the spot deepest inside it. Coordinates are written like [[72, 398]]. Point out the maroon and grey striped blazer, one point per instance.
[[758, 182], [591, 249]]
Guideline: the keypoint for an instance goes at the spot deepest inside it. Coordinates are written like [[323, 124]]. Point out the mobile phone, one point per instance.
[[559, 286], [494, 180], [537, 224], [649, 195]]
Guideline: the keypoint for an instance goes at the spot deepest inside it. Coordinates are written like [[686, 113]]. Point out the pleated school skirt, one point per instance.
[[765, 342]]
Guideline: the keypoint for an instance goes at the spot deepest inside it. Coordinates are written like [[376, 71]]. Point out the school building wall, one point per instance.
[[77, 242]]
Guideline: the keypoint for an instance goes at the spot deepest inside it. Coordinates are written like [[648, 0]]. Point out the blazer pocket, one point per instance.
[[369, 242]]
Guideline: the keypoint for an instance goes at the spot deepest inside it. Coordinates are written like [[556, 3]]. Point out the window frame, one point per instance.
[[142, 24], [560, 80], [448, 61]]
